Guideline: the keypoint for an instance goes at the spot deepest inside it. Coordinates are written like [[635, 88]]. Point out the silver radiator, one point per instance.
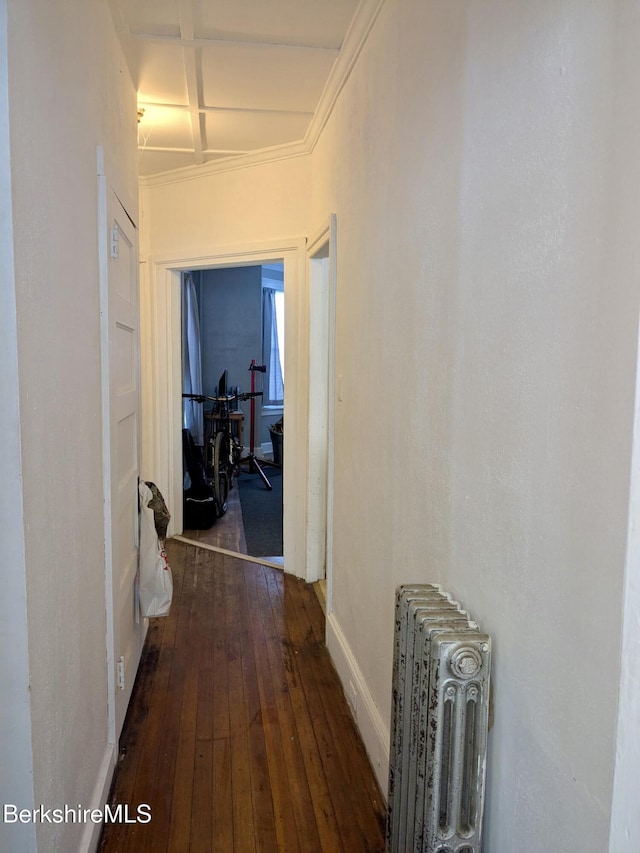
[[439, 720]]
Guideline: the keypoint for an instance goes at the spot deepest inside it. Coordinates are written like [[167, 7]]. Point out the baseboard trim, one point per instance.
[[100, 796], [373, 731]]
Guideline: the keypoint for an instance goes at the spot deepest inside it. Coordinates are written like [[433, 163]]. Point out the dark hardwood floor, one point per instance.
[[228, 531], [238, 735]]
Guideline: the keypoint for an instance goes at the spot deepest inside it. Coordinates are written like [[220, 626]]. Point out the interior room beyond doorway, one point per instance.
[[233, 382]]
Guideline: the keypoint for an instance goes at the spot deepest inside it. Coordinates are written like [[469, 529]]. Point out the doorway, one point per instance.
[[162, 455], [321, 259], [233, 348]]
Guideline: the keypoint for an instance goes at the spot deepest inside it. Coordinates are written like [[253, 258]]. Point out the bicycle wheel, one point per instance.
[[221, 472]]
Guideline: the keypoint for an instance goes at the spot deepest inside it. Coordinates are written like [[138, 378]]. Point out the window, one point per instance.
[[273, 345]]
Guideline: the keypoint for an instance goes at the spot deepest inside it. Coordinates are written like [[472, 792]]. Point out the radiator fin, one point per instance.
[[439, 725]]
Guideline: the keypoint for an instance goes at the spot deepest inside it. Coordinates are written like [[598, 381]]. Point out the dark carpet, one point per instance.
[[262, 512]]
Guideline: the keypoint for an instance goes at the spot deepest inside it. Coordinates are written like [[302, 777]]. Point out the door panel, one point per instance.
[[123, 370]]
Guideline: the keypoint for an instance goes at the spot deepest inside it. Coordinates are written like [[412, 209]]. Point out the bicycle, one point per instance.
[[223, 450]]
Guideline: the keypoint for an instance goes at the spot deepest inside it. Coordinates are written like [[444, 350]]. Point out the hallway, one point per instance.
[[238, 735]]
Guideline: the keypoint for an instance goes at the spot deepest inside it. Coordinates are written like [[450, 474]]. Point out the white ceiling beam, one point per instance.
[[258, 111], [191, 75], [227, 151], [214, 109], [119, 20], [185, 16], [215, 42], [185, 13], [164, 149]]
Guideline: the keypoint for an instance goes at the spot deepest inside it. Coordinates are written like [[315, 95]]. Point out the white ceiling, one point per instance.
[[220, 78]]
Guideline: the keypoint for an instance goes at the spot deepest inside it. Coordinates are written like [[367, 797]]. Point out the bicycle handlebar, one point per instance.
[[202, 398]]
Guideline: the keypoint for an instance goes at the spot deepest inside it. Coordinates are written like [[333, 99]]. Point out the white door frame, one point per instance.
[[162, 363], [624, 827], [103, 226], [108, 204], [321, 280]]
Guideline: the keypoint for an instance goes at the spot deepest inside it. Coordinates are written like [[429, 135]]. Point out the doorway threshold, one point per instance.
[[272, 562]]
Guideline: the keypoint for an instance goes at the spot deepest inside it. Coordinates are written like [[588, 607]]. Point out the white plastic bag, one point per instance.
[[155, 589]]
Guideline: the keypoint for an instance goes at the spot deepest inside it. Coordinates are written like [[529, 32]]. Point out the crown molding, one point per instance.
[[225, 164], [355, 39], [365, 17]]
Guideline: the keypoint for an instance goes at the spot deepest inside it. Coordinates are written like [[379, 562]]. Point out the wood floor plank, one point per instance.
[[148, 691], [314, 821], [151, 726], [264, 822], [278, 775], [158, 786], [181, 803], [307, 650], [203, 772], [239, 736], [223, 578], [294, 766], [264, 829], [222, 805], [326, 822], [337, 737], [237, 640], [201, 835], [341, 723]]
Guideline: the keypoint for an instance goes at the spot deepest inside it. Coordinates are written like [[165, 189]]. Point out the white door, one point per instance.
[[321, 254], [121, 331], [318, 415]]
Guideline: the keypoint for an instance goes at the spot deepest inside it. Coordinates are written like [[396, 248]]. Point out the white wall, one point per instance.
[[16, 781], [231, 208], [482, 162], [185, 219], [244, 215], [68, 91]]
